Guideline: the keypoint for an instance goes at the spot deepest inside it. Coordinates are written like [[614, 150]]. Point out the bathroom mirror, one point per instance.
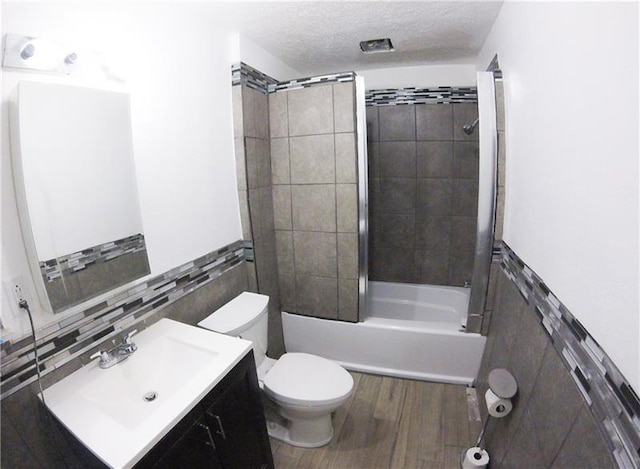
[[74, 175]]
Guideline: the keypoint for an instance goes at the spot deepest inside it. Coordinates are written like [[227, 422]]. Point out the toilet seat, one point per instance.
[[302, 379]]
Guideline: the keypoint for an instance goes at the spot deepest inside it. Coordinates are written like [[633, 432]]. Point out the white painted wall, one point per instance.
[[419, 76], [181, 117], [247, 51], [571, 96]]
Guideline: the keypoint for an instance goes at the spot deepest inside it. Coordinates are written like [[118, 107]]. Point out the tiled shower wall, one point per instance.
[[423, 192], [253, 164], [315, 198]]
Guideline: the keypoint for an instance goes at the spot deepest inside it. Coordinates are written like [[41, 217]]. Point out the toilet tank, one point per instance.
[[246, 317]]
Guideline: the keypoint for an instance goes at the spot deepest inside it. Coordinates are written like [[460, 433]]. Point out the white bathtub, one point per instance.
[[411, 331]]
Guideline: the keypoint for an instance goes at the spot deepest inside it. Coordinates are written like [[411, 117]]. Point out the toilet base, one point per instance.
[[279, 431], [304, 433]]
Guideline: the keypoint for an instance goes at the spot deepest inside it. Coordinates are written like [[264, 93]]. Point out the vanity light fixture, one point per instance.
[[27, 51], [373, 46]]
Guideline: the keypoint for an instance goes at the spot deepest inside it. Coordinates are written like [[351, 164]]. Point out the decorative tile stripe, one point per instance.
[[75, 335], [312, 81], [439, 95], [614, 404], [55, 268], [244, 74], [248, 250]]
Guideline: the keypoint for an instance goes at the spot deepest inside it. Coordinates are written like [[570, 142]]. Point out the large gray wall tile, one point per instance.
[[280, 173], [344, 107], [317, 296], [348, 300], [525, 450], [261, 210], [315, 253], [284, 250], [312, 159], [310, 111], [583, 448], [278, 120], [397, 123], [373, 159], [554, 404], [288, 292], [397, 159], [236, 99], [372, 124], [348, 255], [282, 207], [434, 121], [346, 158], [314, 207], [396, 195], [466, 160], [347, 208], [434, 159], [249, 111], [393, 230], [433, 232], [241, 164], [392, 265], [258, 162], [465, 197], [434, 196], [432, 266]]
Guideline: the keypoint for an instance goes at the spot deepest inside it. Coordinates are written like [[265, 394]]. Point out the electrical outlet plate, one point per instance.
[[19, 289]]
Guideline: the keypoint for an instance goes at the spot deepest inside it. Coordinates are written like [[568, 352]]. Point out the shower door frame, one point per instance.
[[363, 196], [487, 191]]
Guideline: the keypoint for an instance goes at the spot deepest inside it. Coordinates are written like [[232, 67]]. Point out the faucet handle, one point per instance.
[[104, 356], [127, 338]]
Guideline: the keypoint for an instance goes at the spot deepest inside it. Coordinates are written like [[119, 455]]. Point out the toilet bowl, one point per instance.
[[301, 390]]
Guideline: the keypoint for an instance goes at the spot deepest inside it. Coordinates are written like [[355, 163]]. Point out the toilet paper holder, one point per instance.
[[502, 388]]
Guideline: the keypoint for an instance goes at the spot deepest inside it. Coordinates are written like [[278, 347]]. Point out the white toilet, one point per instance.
[[303, 390]]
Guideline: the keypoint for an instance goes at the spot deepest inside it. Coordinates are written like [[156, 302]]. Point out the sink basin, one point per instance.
[[119, 413]]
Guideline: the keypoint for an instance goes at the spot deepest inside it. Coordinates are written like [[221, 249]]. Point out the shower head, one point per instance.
[[469, 128]]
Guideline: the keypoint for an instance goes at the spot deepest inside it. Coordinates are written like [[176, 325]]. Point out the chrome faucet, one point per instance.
[[118, 353]]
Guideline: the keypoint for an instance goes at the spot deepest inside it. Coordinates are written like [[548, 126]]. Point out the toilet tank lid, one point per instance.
[[238, 314]]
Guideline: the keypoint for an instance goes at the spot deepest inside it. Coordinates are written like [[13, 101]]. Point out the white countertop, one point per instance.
[[105, 408]]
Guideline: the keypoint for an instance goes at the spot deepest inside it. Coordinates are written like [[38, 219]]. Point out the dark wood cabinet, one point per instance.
[[226, 430]]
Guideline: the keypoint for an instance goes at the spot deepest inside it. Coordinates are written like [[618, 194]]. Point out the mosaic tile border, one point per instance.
[[55, 268], [439, 95], [75, 335], [312, 81], [245, 74], [614, 404]]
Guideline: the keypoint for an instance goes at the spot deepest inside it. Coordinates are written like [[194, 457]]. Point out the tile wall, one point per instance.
[[255, 193], [573, 408], [315, 196], [188, 293], [77, 277], [423, 192]]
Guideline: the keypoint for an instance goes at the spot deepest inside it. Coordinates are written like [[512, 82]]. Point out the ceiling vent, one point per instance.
[[376, 45]]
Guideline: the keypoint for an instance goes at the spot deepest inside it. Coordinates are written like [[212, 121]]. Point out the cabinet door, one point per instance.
[[194, 450], [237, 422]]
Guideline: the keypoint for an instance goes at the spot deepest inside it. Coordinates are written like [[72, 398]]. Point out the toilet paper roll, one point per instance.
[[497, 406], [475, 458]]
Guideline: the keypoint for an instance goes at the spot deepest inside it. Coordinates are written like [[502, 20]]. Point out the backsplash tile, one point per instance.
[[71, 337]]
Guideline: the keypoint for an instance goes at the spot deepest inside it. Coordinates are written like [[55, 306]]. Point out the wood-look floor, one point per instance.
[[391, 423]]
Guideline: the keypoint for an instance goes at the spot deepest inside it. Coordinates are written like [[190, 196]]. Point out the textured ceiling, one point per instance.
[[322, 37]]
